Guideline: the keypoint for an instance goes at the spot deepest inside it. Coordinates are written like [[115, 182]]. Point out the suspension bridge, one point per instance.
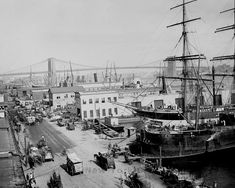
[[54, 62], [51, 63]]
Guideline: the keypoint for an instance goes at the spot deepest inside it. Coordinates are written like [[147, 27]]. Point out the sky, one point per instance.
[[95, 32]]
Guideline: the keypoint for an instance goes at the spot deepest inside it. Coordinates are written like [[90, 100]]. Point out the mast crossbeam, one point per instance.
[[228, 10], [183, 78], [188, 57], [225, 28], [220, 74], [182, 4], [180, 23], [220, 58]]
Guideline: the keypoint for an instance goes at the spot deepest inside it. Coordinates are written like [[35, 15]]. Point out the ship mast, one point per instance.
[[186, 56], [229, 57]]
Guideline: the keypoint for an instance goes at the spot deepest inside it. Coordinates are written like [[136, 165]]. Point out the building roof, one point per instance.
[[33, 88], [74, 158], [66, 89], [99, 92], [11, 170]]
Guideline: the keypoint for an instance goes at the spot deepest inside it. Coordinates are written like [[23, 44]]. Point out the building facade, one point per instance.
[[97, 104], [60, 97]]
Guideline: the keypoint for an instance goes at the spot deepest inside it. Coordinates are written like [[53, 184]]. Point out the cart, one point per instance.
[[74, 164], [104, 161]]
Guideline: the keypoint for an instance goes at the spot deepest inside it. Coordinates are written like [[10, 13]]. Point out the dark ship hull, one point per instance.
[[185, 145], [160, 114]]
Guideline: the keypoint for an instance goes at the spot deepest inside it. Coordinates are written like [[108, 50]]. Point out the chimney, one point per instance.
[[95, 77]]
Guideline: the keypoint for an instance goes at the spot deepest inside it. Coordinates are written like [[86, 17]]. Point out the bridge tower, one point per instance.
[[51, 73], [171, 68]]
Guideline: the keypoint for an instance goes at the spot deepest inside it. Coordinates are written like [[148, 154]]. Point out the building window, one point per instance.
[[91, 114], [85, 114], [121, 96], [115, 99], [72, 96], [97, 113], [83, 101], [103, 112], [110, 111], [97, 100], [90, 101], [115, 111], [66, 96], [58, 97], [109, 99], [103, 100]]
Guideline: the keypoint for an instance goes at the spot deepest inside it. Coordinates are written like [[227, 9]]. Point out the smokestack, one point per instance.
[[95, 77], [78, 79], [83, 78]]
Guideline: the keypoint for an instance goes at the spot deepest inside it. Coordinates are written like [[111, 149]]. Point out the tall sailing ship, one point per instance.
[[174, 134]]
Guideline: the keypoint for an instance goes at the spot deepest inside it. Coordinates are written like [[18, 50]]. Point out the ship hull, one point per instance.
[[185, 147], [159, 114]]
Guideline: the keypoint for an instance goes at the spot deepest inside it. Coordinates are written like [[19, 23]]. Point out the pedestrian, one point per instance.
[[31, 162], [109, 146]]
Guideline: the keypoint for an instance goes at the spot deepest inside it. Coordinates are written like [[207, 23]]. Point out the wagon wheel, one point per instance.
[[106, 166], [72, 171]]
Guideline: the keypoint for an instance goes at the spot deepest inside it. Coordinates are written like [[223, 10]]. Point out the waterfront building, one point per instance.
[[34, 93], [60, 97], [39, 93], [97, 104]]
